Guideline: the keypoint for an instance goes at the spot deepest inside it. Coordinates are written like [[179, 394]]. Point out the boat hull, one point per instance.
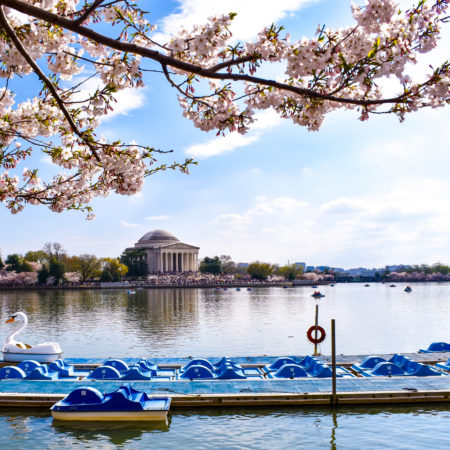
[[85, 416], [22, 356]]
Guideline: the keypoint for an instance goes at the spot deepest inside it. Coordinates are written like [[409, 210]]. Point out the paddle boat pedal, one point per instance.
[[124, 404]]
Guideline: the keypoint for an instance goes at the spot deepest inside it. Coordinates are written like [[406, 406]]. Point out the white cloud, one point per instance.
[[223, 144], [157, 218], [47, 159], [263, 208], [253, 15], [345, 206], [129, 225]]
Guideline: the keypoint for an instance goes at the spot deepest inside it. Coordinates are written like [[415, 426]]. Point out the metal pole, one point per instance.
[[315, 330], [333, 360]]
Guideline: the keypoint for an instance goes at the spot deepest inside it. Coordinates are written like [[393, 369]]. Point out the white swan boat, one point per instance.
[[14, 351]]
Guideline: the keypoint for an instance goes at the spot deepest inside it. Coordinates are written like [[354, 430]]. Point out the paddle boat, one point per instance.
[[408, 289], [318, 294], [131, 292], [367, 285], [392, 285], [124, 404], [15, 351]]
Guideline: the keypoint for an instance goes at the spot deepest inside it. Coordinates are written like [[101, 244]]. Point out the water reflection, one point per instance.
[[285, 427], [210, 322], [116, 433]]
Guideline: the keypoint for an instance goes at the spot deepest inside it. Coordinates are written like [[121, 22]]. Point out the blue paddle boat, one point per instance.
[[124, 404]]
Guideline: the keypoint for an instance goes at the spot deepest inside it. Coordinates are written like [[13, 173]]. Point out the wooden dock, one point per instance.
[[248, 392]]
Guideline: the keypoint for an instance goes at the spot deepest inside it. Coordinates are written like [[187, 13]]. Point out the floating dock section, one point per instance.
[[246, 392]]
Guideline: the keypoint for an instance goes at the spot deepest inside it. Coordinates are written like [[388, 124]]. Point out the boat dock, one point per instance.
[[245, 392]]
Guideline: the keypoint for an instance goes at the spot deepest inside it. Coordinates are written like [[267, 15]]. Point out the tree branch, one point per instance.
[[88, 11], [22, 50], [71, 25]]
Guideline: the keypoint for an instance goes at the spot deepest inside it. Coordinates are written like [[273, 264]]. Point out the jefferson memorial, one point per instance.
[[165, 253]]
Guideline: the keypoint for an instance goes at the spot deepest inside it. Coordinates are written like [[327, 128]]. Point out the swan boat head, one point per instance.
[[19, 351]]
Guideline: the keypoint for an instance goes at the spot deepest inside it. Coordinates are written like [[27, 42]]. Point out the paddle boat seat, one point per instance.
[[66, 370], [135, 372], [154, 370], [290, 371], [118, 364], [368, 363], [195, 372], [437, 347], [84, 395], [11, 372], [198, 362], [104, 373], [422, 370], [384, 369], [42, 373], [398, 359], [224, 361], [280, 362], [229, 372], [28, 365], [309, 362], [148, 366], [320, 371]]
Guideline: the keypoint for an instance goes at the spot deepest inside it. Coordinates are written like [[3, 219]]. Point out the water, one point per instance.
[[207, 322]]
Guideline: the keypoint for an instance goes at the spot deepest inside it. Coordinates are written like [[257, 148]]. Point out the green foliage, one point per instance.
[[16, 263], [36, 256], [56, 270], [290, 272], [135, 261], [43, 275], [106, 276], [2, 264], [88, 266], [211, 265], [259, 270], [114, 268]]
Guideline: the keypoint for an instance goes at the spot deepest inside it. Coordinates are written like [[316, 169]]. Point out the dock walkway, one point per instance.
[[249, 392]]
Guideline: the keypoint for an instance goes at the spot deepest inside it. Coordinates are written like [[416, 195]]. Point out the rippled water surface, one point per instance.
[[209, 322]]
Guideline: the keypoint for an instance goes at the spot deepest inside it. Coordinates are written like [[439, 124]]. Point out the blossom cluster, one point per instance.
[[335, 69]]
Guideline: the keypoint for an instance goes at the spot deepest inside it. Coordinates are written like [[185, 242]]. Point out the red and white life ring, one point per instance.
[[320, 334]]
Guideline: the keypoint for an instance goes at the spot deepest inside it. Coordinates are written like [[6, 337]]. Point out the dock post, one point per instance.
[[316, 323], [333, 361]]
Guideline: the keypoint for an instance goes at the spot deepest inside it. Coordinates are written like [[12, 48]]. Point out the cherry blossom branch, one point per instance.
[[18, 44], [182, 65], [88, 11]]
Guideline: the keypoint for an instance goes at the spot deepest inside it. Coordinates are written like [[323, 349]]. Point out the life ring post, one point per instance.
[[316, 323], [333, 362]]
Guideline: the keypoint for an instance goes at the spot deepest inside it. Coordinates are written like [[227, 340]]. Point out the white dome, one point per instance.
[[158, 237]]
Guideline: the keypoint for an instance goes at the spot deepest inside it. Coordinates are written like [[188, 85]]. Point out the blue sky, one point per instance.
[[352, 194]]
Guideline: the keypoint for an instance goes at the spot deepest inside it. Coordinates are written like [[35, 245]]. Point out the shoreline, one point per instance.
[[221, 286]]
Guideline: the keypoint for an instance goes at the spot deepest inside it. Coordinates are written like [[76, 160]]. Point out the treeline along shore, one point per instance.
[[52, 267]]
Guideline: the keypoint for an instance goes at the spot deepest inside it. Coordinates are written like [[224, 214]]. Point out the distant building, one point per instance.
[[163, 252], [300, 264]]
